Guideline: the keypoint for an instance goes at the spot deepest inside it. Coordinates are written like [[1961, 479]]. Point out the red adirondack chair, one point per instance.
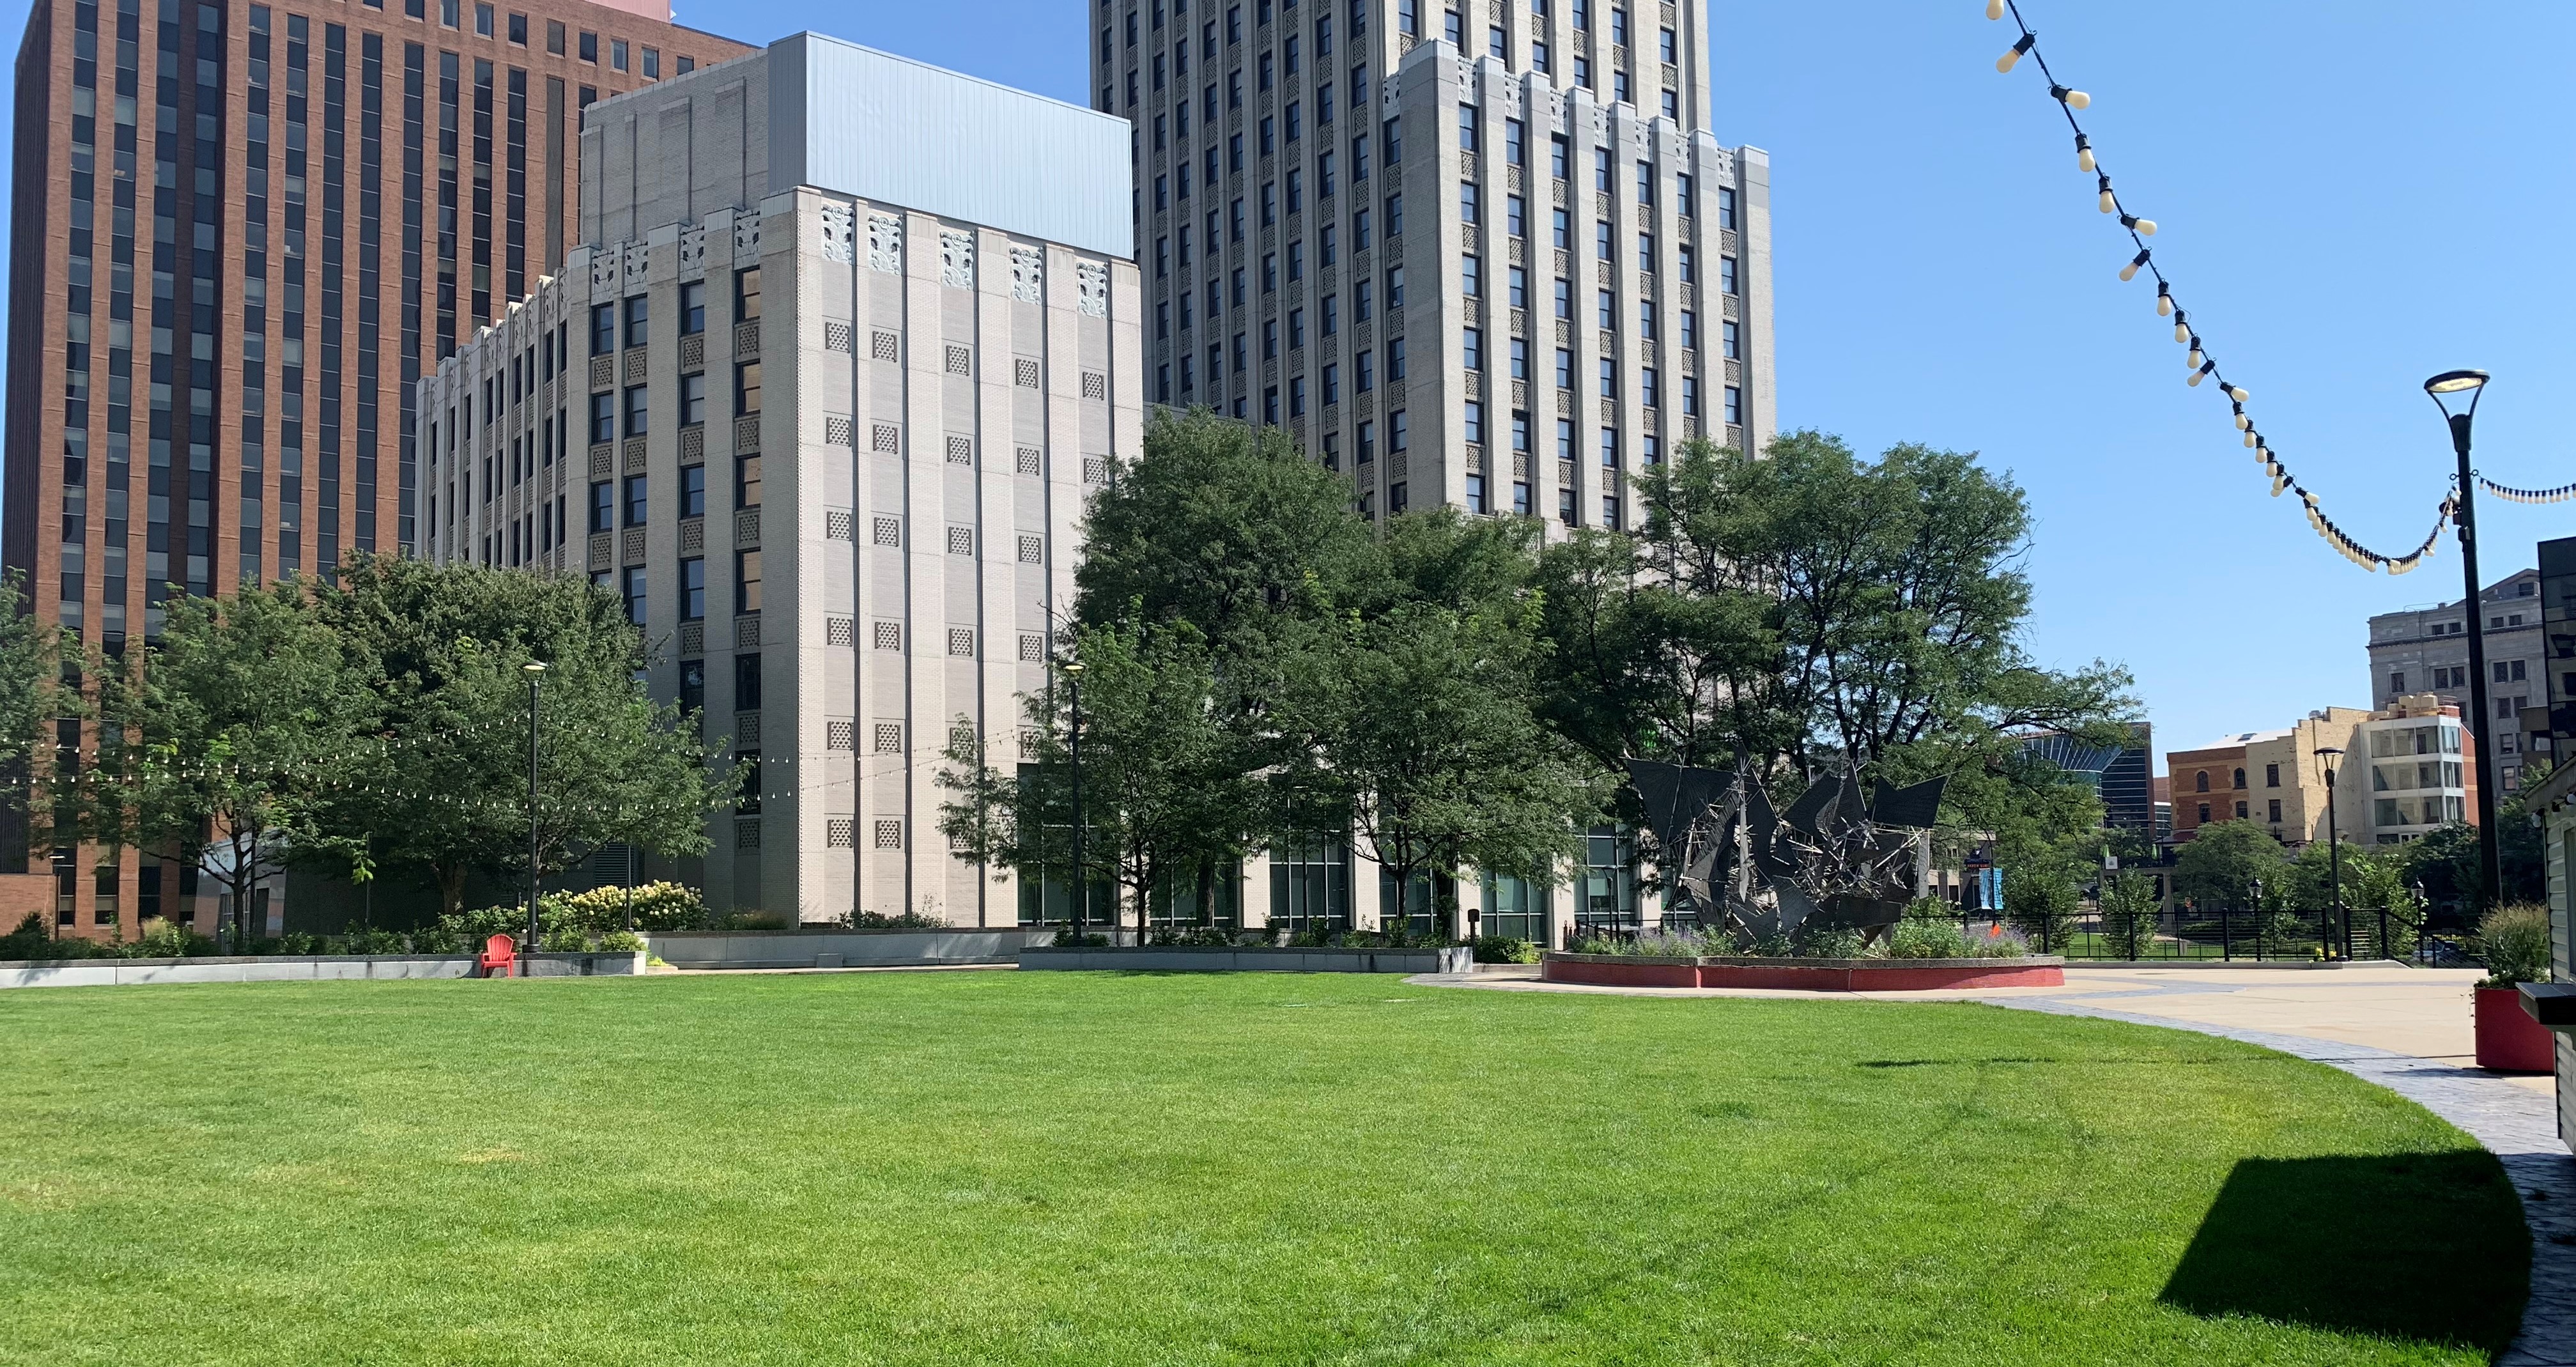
[[500, 956]]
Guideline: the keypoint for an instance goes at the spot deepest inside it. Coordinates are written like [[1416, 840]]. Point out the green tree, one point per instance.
[[1167, 799], [248, 715], [1809, 610], [442, 783], [2128, 907], [1414, 727], [2445, 861], [2231, 865], [1232, 530], [1228, 527], [2041, 890], [32, 699], [31, 694]]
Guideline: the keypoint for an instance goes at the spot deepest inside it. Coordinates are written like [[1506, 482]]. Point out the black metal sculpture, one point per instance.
[[1832, 860]]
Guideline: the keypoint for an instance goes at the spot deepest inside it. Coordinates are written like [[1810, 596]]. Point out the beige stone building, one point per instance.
[[820, 392]]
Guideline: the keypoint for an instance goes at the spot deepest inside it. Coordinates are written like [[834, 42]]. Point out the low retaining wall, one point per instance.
[[295, 968], [1809, 975], [1255, 959], [843, 948]]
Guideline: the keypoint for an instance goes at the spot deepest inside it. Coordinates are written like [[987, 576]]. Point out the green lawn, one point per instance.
[[1086, 1169]]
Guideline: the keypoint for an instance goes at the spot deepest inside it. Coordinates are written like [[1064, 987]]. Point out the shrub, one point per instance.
[[2514, 943], [373, 942], [162, 939], [621, 942], [1927, 939], [1996, 942], [878, 920], [1827, 942], [33, 939], [658, 906], [756, 920], [1504, 949]]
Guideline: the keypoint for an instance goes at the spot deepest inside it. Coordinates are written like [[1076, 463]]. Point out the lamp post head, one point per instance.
[[533, 668], [2450, 383], [1073, 668]]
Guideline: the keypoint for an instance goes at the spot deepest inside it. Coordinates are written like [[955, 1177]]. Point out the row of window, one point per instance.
[[636, 311], [450, 15]]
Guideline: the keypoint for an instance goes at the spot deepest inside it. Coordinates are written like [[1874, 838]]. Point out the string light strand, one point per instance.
[[2200, 364]]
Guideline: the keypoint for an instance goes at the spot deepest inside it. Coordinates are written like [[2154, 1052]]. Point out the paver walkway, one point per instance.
[[2405, 1029]]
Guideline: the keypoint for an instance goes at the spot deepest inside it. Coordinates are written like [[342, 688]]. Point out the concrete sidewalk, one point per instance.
[[2406, 1029]]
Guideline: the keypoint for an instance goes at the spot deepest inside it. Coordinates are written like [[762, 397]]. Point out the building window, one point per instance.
[[2204, 814], [635, 594], [603, 329], [603, 507], [746, 581], [2276, 811], [639, 410], [746, 482], [638, 499], [2240, 811], [693, 307], [693, 491], [2272, 776], [2397, 682], [693, 589], [2240, 780], [2200, 781], [746, 388], [693, 400]]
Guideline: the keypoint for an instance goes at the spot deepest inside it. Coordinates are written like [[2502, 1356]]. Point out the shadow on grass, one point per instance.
[[2423, 1246]]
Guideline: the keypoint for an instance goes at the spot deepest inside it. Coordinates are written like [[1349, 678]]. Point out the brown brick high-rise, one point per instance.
[[239, 233]]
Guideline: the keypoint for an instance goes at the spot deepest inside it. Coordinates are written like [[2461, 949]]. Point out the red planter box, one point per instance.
[[2509, 1040], [1809, 975]]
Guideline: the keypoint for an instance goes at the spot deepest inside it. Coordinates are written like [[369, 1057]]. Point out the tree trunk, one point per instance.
[[451, 887], [1207, 892]]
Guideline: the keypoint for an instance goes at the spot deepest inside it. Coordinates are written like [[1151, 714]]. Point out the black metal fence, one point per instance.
[[2228, 934]]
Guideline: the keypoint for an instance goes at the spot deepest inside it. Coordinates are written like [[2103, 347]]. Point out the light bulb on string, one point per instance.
[[2195, 358], [2130, 271], [2237, 392], [2072, 99], [2203, 373], [2005, 63], [2249, 440], [2143, 227], [2182, 326], [1994, 9], [2164, 300], [2083, 153], [2243, 423], [2109, 202]]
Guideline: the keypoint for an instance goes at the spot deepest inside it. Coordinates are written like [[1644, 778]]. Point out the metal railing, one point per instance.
[[2228, 934]]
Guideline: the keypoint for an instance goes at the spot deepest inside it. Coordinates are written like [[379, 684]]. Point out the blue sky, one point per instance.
[[2352, 198]]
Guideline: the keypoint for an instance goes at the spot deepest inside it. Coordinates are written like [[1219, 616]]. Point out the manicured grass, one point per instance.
[[1087, 1169]]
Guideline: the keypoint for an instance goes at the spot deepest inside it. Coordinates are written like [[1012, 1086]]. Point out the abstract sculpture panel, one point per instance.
[[1832, 860]]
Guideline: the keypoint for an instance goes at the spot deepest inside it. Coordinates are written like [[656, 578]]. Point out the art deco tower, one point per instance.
[[1487, 256]]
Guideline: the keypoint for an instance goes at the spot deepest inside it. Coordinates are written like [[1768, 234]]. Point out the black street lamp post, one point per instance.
[[2334, 842], [536, 672], [1081, 884], [2444, 389]]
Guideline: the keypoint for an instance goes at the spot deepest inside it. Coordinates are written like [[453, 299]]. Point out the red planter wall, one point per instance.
[[2509, 1040]]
